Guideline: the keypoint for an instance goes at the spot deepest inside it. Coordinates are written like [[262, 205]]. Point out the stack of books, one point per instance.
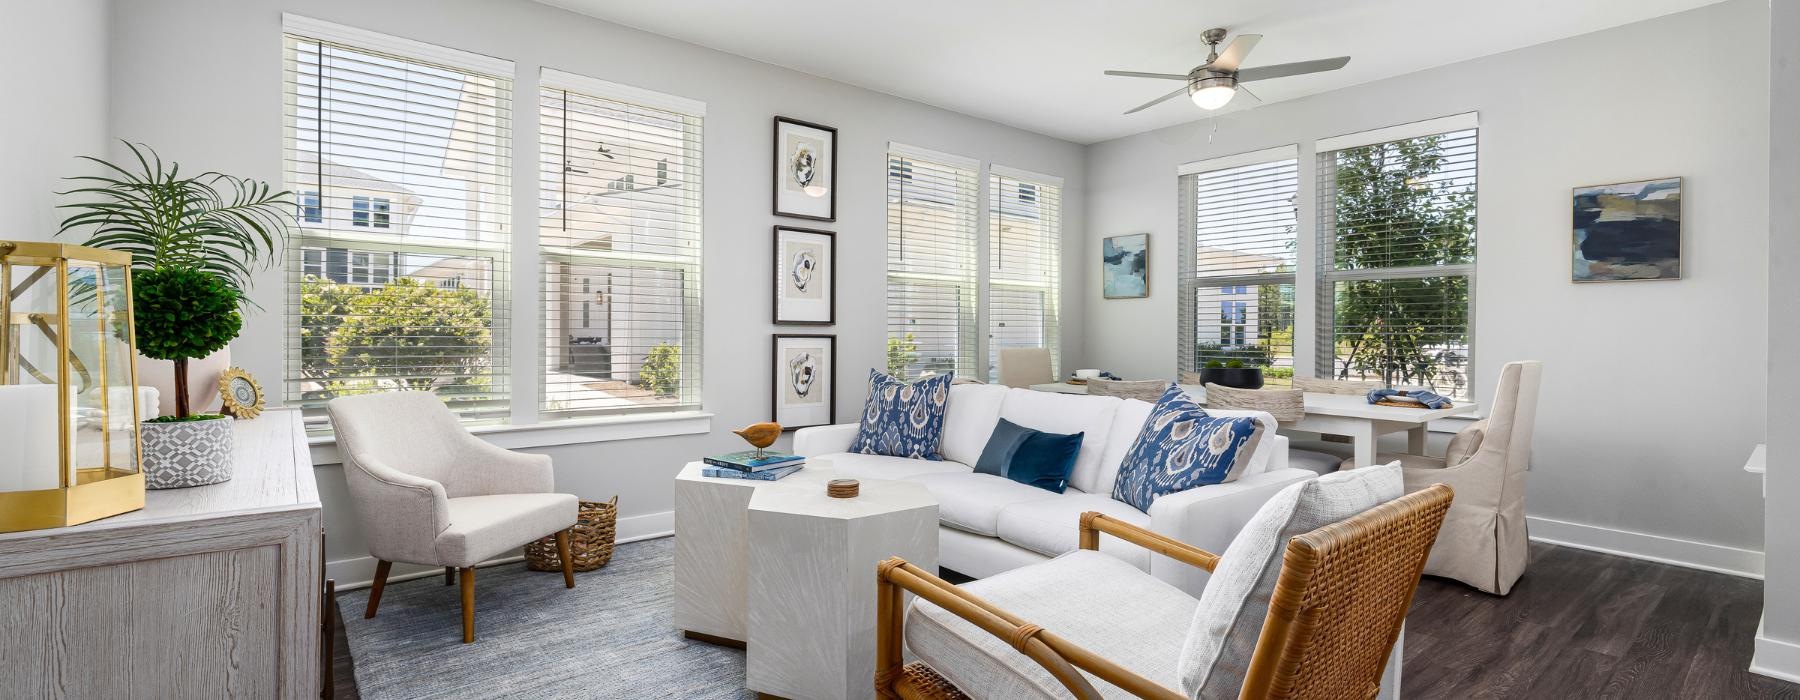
[[746, 465]]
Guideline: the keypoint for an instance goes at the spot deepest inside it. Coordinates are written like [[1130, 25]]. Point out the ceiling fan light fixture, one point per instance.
[[1213, 97]]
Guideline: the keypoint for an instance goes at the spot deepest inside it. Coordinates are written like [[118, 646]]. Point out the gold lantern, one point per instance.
[[69, 400]]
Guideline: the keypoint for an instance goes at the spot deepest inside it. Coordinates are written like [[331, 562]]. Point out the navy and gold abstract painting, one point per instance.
[[1628, 231]]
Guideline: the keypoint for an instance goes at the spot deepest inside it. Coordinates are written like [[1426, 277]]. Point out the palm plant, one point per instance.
[[211, 222]]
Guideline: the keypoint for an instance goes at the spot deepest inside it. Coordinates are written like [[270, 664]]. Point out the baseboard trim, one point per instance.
[[1705, 556], [1775, 658], [359, 572]]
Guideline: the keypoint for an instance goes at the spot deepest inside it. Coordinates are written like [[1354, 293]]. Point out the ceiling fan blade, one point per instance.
[[1234, 53], [1136, 74], [1244, 98], [1181, 91], [1283, 70]]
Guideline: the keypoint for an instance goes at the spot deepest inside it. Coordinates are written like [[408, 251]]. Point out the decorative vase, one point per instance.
[[188, 453], [1235, 377], [203, 381]]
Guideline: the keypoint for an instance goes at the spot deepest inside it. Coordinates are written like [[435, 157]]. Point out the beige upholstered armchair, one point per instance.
[[428, 492], [1307, 602], [1483, 542]]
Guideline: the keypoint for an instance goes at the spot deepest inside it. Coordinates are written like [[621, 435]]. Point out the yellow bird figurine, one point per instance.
[[760, 435]]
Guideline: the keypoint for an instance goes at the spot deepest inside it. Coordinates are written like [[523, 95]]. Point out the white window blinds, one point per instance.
[[1396, 260], [1239, 221], [931, 267], [619, 234], [1024, 264], [397, 277]]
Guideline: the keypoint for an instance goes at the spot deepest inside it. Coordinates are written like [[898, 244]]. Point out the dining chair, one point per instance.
[[1322, 624], [425, 491], [1022, 367], [1143, 390], [1349, 387], [1483, 543], [1288, 406]]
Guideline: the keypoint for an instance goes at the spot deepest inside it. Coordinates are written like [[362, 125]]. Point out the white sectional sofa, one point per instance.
[[990, 524]]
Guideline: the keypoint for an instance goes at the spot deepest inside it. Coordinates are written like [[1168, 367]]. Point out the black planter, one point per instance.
[[1238, 377]]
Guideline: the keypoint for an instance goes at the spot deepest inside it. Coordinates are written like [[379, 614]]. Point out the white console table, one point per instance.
[[212, 591]]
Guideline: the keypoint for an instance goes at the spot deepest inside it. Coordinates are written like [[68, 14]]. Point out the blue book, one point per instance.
[[749, 462], [765, 475]]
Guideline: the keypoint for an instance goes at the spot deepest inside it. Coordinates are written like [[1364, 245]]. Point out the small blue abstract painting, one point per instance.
[[1123, 264], [1628, 231]]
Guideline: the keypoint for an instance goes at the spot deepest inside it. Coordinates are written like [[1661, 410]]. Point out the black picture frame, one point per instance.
[[781, 272], [776, 380], [780, 156]]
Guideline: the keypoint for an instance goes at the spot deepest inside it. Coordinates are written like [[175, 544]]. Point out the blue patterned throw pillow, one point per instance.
[[901, 419], [1182, 447]]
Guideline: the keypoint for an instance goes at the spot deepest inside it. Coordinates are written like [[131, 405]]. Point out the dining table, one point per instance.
[[1347, 415]]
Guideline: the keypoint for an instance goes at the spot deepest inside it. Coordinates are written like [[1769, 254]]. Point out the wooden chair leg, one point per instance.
[[381, 573], [568, 560], [468, 603], [449, 575]]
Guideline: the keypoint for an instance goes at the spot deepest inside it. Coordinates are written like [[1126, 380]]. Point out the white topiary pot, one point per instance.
[[190, 453]]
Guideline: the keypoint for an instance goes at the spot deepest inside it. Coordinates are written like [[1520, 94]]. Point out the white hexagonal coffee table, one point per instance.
[[812, 581]]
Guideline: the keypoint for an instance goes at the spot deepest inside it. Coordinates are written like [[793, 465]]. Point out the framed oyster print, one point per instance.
[[805, 170], [805, 276], [804, 387]]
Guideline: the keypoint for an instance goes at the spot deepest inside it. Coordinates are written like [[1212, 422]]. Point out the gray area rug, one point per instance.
[[612, 636]]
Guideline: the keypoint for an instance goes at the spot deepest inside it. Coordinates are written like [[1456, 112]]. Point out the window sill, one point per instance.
[[567, 432]]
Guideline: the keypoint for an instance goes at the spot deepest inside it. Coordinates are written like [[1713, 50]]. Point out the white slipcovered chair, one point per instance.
[[1307, 601], [1483, 542], [427, 492]]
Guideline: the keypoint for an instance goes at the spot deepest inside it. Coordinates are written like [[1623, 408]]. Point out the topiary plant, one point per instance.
[[1234, 364], [1215, 364], [182, 314]]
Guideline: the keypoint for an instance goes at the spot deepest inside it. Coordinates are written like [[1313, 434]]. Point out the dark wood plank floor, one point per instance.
[[1579, 625]]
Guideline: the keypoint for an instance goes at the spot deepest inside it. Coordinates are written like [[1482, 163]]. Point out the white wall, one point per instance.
[[53, 63], [201, 81], [1621, 443]]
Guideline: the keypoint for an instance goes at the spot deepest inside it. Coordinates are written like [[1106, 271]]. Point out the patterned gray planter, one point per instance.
[[180, 455]]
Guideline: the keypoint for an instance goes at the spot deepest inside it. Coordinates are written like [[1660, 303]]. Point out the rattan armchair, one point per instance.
[[1340, 587]]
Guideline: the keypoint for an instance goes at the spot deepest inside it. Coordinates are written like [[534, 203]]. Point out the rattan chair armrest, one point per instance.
[[1057, 655], [1093, 523]]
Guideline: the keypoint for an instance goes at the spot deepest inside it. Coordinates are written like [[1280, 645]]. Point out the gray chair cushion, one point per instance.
[[1315, 462], [482, 527], [1229, 619], [1093, 600]]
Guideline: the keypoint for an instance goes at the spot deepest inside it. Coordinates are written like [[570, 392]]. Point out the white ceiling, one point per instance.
[[1035, 64]]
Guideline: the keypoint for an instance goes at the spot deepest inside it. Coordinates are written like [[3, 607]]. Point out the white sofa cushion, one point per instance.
[[852, 465], [1067, 414], [973, 502], [1093, 600], [1052, 526], [1236, 599], [969, 419]]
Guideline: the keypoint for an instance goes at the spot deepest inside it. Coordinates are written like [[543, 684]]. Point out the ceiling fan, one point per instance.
[[1213, 84]]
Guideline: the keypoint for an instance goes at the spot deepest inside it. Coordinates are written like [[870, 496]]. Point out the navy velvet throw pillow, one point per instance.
[[1028, 456]]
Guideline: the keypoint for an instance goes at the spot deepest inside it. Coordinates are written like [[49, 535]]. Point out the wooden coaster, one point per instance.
[[842, 488]]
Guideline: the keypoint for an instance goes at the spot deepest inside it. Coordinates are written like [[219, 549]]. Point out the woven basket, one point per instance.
[[590, 541]]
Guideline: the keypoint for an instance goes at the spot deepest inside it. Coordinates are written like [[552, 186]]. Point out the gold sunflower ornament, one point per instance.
[[243, 397]]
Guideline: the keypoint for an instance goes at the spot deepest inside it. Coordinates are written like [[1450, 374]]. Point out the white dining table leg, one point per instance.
[[1415, 441], [1362, 441]]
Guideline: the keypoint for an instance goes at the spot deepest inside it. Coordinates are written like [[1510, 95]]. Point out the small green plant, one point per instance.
[[182, 314], [661, 373], [1234, 364], [902, 351], [186, 419], [1215, 364]]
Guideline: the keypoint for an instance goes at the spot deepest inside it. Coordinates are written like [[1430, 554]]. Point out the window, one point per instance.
[[1240, 228], [1397, 255], [1024, 264], [309, 210], [931, 265], [380, 126], [619, 239]]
